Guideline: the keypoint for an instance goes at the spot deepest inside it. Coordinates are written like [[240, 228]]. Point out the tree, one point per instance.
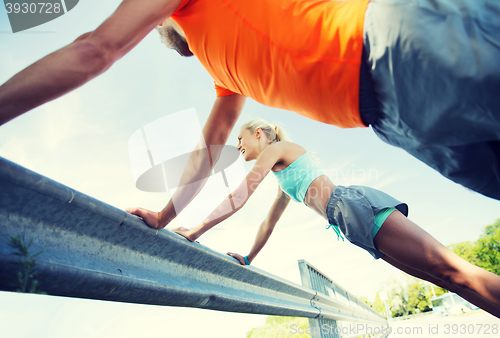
[[378, 305], [488, 248], [417, 298], [484, 253], [406, 298], [466, 250], [397, 298], [420, 295]]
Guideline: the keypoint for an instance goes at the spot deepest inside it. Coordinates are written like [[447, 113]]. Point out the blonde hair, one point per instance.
[[273, 132]]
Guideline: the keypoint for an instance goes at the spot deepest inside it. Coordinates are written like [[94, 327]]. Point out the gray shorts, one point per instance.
[[435, 65], [352, 209]]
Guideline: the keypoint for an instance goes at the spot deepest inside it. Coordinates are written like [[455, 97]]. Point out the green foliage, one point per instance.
[[281, 327], [418, 298], [26, 282], [397, 298], [466, 250], [378, 305], [488, 248], [484, 253], [420, 295], [405, 299]]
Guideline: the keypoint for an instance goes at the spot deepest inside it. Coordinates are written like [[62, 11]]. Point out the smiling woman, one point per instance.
[[368, 218]]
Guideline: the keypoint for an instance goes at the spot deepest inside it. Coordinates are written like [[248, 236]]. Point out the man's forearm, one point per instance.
[[197, 171], [51, 77], [221, 121]]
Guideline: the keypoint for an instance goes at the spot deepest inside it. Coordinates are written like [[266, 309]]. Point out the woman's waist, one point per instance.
[[319, 193]]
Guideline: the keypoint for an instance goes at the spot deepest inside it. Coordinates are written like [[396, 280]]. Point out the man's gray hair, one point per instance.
[[173, 37]]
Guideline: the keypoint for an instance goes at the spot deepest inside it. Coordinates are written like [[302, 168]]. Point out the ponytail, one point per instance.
[[274, 133]]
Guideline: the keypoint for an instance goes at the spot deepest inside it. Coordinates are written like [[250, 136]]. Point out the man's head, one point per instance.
[[173, 37]]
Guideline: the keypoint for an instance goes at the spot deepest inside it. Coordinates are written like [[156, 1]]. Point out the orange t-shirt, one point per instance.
[[299, 55]]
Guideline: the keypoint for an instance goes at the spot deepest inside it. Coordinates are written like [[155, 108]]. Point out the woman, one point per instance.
[[367, 217]]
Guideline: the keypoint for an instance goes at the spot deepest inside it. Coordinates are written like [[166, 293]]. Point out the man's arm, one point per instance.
[[88, 56], [219, 125]]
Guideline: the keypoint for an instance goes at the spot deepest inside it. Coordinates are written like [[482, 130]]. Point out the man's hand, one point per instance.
[[239, 257], [150, 217]]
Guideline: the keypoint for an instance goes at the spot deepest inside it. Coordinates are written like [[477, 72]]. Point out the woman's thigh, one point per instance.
[[405, 242]]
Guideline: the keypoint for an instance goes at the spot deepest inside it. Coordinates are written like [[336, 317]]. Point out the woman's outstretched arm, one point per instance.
[[237, 199], [266, 228]]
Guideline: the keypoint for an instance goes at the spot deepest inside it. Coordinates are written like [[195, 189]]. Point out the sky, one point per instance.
[[82, 140]]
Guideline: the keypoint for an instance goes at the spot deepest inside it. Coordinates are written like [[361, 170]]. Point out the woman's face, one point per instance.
[[248, 144]]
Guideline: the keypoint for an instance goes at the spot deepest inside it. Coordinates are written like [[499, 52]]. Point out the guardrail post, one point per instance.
[[322, 326], [313, 279]]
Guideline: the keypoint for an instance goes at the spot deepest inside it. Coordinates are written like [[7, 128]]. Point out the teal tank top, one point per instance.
[[295, 179]]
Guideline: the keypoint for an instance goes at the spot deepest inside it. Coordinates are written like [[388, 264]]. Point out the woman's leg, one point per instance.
[[467, 294], [406, 243]]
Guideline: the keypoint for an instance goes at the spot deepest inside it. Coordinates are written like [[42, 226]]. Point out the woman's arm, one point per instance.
[[237, 199], [266, 228]]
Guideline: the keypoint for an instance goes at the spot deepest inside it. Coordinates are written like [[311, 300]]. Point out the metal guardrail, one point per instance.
[[95, 251], [314, 279]]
